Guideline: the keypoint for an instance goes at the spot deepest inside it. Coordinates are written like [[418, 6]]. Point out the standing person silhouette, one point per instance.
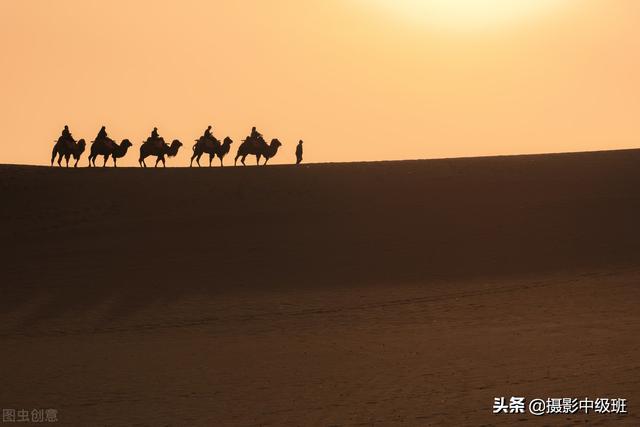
[[299, 153]]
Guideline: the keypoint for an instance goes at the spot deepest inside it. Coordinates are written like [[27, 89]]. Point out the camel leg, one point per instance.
[[235, 161], [258, 159], [60, 159], [75, 165], [211, 156], [105, 160], [221, 165], [157, 161], [115, 163], [164, 164], [66, 158], [266, 159], [242, 160]]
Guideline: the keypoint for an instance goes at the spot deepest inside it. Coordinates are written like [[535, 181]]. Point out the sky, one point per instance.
[[355, 79]]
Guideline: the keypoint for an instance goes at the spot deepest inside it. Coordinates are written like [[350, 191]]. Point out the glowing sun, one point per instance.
[[468, 15]]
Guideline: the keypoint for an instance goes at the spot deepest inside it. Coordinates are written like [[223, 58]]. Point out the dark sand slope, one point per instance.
[[340, 294]]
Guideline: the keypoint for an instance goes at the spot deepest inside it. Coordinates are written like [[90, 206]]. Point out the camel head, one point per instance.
[[275, 143], [228, 141], [78, 149], [173, 149], [126, 143]]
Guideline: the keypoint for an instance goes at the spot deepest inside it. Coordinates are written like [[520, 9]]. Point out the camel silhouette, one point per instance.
[[67, 147], [257, 147], [106, 148], [212, 147], [160, 149]]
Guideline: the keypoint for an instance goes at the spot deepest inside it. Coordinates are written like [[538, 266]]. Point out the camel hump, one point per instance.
[[156, 142], [255, 142]]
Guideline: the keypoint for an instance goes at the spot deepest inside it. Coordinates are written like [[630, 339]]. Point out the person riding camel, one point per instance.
[[256, 137], [255, 134], [207, 133], [103, 138], [154, 138], [66, 134], [102, 134], [207, 136]]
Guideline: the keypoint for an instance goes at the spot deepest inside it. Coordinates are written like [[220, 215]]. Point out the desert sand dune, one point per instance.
[[337, 294]]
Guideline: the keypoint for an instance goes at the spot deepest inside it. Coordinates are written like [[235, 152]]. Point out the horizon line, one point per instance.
[[488, 156]]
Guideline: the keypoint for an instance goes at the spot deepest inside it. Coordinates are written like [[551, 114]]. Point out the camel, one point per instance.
[[108, 147], [258, 148], [67, 148], [159, 149], [212, 147]]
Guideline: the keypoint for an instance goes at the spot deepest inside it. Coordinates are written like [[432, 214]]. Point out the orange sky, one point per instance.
[[350, 77]]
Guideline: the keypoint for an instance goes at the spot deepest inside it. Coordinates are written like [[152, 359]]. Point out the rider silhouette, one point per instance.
[[102, 134], [154, 138], [66, 134], [207, 133], [255, 134], [299, 153]]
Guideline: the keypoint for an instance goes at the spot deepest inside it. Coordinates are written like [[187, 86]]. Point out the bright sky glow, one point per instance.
[[470, 15]]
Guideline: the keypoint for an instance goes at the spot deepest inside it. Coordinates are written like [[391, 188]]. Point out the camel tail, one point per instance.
[[54, 153]]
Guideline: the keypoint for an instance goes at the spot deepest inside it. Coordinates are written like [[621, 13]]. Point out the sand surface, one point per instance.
[[340, 294]]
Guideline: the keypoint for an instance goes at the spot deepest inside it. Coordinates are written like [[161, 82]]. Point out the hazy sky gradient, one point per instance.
[[350, 77]]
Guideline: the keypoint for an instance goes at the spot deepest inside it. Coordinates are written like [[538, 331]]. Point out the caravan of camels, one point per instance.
[[255, 145]]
